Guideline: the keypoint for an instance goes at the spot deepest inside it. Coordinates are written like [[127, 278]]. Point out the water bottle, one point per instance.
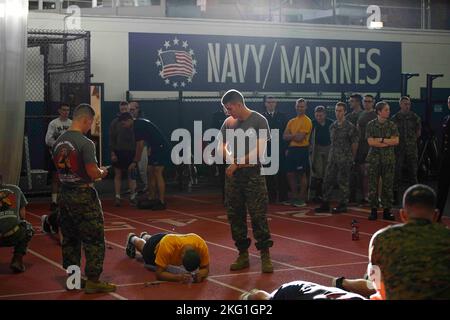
[[355, 230]]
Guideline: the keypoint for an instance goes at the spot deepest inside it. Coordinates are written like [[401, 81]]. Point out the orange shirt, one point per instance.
[[170, 248], [300, 124]]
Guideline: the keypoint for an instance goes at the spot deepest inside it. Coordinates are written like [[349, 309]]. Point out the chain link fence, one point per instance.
[[57, 70]]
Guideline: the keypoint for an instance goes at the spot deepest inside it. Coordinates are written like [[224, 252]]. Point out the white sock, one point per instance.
[[133, 239], [133, 196], [54, 197], [117, 196]]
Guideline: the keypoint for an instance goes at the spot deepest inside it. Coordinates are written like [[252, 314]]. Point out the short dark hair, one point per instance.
[[356, 95], [191, 260], [64, 104], [380, 106], [125, 116], [82, 110], [420, 195], [404, 98], [341, 104], [370, 96], [320, 109], [123, 103], [232, 96]]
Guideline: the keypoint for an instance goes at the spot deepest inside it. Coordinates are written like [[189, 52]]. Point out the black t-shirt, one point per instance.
[[146, 130], [304, 290]]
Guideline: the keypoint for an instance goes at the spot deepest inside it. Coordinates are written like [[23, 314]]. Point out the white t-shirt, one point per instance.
[[55, 128]]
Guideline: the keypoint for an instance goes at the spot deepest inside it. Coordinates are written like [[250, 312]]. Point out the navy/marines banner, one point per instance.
[[161, 62]]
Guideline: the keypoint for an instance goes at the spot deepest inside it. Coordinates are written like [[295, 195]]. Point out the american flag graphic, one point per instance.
[[176, 63]]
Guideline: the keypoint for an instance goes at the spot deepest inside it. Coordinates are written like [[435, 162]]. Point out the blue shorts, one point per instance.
[[297, 159]]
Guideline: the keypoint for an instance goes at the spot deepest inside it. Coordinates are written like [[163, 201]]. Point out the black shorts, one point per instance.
[[297, 159], [148, 252], [160, 158], [124, 159]]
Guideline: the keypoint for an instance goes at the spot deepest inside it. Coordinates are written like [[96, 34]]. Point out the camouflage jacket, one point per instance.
[[408, 124], [353, 117], [414, 260], [342, 138], [387, 130]]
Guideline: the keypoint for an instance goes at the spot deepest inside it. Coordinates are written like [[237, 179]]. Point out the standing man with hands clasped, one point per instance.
[[245, 187]]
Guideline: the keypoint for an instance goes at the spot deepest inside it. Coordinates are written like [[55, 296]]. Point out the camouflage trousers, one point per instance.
[[247, 191], [384, 169], [81, 223], [406, 159], [337, 172], [20, 239]]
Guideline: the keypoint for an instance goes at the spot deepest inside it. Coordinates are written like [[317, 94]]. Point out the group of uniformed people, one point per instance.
[[364, 152]]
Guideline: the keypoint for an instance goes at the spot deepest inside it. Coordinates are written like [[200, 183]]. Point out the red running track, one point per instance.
[[307, 247]]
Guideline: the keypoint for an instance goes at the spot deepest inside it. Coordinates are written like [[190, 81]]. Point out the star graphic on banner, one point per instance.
[[160, 51], [175, 84], [194, 62], [191, 52], [185, 44], [194, 71], [166, 44], [161, 74], [183, 84], [189, 79], [167, 81], [158, 63], [175, 41]]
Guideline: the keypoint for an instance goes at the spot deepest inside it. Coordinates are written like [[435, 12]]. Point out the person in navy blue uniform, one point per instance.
[[277, 184]]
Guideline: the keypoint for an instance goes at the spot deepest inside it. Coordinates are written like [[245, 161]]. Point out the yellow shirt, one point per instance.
[[168, 251], [302, 124]]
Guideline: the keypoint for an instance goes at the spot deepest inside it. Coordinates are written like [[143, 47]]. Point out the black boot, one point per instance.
[[341, 208], [387, 215], [373, 214], [325, 207]]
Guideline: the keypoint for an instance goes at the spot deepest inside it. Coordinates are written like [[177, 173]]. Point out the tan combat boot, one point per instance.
[[99, 287], [17, 263], [266, 263], [241, 262]]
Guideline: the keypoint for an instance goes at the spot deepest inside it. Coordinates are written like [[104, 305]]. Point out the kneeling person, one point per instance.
[[15, 231], [163, 250]]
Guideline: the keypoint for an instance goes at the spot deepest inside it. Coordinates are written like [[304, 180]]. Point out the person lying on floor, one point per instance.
[[410, 260], [163, 250], [301, 290]]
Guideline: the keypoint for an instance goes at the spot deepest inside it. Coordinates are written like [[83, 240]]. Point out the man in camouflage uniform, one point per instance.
[[382, 137], [344, 143], [413, 258], [245, 187], [406, 154], [353, 116], [81, 216], [408, 261], [366, 116], [15, 231]]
